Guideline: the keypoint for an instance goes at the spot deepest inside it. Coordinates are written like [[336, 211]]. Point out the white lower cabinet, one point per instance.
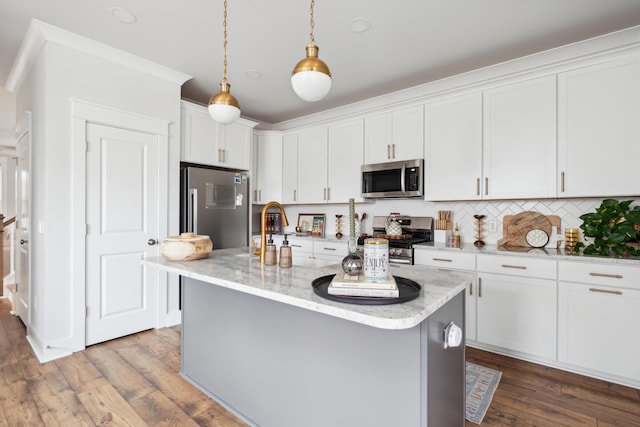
[[450, 261], [516, 304], [598, 316], [330, 250]]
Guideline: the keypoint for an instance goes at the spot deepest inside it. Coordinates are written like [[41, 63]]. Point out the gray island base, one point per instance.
[[259, 341]]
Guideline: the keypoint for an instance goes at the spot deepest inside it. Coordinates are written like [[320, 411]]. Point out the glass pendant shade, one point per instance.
[[311, 78], [223, 107]]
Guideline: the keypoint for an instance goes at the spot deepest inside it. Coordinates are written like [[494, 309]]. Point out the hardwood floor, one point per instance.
[[134, 381]]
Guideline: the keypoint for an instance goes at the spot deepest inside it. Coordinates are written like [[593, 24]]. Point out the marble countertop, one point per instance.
[[548, 253], [238, 269]]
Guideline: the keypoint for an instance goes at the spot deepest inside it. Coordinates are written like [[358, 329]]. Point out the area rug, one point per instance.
[[480, 385]]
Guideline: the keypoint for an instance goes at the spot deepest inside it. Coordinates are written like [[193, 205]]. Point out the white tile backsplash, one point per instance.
[[569, 211]]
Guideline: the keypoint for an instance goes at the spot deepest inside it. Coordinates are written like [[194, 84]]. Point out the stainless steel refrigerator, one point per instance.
[[215, 202]]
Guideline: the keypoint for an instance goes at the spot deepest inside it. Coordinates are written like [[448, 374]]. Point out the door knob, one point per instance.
[[152, 242], [23, 241]]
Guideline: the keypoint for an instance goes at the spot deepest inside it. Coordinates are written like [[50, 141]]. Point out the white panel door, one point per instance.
[[22, 304], [122, 228]]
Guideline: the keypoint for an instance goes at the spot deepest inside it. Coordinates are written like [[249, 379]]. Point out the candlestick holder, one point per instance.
[[338, 226], [479, 242]]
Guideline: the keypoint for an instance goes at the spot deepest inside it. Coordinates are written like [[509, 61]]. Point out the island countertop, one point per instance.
[[239, 270]]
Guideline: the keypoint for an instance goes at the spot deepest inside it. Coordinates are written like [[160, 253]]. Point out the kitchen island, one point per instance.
[[258, 340]]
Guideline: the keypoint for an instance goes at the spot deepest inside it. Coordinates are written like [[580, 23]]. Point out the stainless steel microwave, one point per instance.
[[393, 179]]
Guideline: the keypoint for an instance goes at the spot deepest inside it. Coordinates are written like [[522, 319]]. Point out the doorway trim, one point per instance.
[[82, 113]]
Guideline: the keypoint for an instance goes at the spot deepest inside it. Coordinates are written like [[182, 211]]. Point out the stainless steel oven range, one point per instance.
[[414, 230]]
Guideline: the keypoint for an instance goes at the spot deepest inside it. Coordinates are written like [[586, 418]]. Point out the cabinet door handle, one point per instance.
[[477, 186], [611, 276], [471, 288], [519, 267], [219, 155], [605, 291], [388, 151], [329, 249], [224, 156], [562, 182], [442, 259], [479, 287], [324, 194], [393, 151], [328, 193], [295, 195], [486, 186], [255, 195], [259, 194]]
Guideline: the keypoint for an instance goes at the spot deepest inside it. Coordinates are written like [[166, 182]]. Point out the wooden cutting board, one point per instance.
[[516, 227]]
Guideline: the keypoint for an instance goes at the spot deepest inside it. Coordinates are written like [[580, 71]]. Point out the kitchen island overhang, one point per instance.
[[258, 340]]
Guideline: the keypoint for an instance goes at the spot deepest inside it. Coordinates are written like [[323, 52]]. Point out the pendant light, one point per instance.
[[223, 107], [311, 78]]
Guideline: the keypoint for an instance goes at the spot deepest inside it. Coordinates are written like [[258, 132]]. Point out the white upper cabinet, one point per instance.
[[312, 166], [599, 130], [519, 144], [395, 135], [289, 168], [268, 170], [498, 144], [346, 154], [206, 142], [453, 148]]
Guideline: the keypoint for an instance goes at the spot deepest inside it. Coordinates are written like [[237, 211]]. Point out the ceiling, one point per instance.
[[409, 42]]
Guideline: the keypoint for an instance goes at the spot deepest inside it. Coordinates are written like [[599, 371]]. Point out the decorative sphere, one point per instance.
[[352, 264]]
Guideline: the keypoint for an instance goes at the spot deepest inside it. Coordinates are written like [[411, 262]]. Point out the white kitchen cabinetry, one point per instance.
[[206, 142], [290, 169], [519, 142], [268, 171], [450, 261], [453, 148], [346, 155], [598, 315], [312, 166], [599, 129], [499, 144], [516, 304], [394, 136], [330, 249]]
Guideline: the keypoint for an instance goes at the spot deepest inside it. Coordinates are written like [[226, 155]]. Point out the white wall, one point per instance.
[[59, 74], [568, 210]]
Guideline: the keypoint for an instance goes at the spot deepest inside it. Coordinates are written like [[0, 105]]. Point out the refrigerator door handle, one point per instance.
[[193, 210]]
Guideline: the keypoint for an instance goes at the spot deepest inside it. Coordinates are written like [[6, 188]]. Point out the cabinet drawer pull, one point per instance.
[[611, 276], [329, 249], [296, 246], [442, 259], [519, 267], [605, 291]]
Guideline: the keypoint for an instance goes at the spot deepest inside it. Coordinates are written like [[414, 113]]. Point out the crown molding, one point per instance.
[[40, 33]]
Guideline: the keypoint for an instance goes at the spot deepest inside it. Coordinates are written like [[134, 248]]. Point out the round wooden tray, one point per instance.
[[407, 288]]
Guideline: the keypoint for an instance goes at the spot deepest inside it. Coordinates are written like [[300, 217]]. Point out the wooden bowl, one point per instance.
[[186, 247]]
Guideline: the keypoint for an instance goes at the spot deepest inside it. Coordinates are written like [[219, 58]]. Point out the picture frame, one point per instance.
[[313, 224]]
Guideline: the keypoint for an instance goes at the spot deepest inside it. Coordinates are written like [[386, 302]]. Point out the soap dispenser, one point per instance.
[[285, 254], [270, 256]]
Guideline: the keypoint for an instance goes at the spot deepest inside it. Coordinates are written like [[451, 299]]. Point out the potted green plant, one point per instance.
[[614, 227]]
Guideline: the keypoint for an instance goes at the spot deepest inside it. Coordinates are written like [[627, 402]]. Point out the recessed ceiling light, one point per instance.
[[360, 25], [123, 15], [253, 74]]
